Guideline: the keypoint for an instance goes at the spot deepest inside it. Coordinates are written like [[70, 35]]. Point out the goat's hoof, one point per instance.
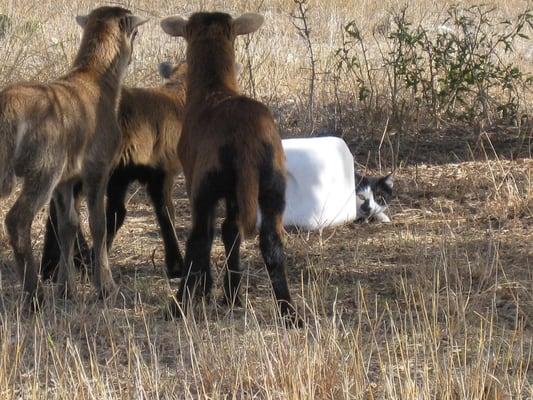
[[293, 321], [49, 274], [173, 311], [84, 263], [227, 301], [33, 302], [174, 273], [65, 292], [107, 290], [290, 317]]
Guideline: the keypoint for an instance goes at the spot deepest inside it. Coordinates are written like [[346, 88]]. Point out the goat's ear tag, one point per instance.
[[248, 23], [174, 26], [82, 20]]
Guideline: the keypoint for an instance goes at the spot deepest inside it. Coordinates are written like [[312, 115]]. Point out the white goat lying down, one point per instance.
[[323, 189]]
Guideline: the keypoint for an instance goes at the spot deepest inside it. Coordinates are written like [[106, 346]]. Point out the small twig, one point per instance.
[[382, 139], [153, 260], [300, 22], [249, 67]]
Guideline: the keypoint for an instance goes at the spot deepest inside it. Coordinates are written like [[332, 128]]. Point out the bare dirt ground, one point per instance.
[[436, 305], [448, 283]]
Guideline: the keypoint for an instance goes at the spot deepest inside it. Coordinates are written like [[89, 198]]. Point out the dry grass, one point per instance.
[[436, 305]]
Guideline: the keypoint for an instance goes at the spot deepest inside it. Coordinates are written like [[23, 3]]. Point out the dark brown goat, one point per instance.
[[54, 135], [230, 149], [150, 121]]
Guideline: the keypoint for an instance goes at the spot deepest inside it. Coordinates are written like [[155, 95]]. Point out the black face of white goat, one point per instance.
[[372, 194]]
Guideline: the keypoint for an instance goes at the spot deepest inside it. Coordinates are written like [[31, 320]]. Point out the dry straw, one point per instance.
[[436, 305]]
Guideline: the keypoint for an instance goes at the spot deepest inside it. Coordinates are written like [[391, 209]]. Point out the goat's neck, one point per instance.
[[99, 62], [176, 89], [211, 69]]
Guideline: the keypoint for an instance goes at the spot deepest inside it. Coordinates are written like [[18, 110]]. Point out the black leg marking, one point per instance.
[[160, 190], [51, 251], [272, 204], [116, 209], [198, 280]]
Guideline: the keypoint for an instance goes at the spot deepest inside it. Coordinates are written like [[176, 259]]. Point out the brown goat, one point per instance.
[[230, 149], [57, 134], [150, 121]]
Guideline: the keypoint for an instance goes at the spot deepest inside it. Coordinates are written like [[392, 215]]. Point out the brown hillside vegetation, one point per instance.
[[436, 305]]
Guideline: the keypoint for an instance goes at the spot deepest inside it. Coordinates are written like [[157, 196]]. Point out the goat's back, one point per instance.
[[150, 120], [235, 138], [44, 123], [230, 124]]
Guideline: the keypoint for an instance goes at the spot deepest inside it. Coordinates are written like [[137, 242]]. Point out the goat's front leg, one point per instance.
[[51, 251], [95, 186], [67, 225]]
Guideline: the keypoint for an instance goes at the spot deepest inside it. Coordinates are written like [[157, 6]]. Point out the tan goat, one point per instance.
[[54, 135], [230, 149], [150, 120]]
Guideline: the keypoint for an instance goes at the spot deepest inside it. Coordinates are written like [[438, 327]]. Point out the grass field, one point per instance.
[[436, 305]]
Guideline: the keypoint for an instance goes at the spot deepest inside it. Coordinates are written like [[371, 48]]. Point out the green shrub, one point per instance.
[[455, 72]]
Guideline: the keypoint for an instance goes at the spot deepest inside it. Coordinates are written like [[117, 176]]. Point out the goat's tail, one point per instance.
[[247, 193], [7, 154]]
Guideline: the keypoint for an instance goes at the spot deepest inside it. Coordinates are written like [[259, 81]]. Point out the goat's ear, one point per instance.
[[174, 26], [248, 23], [82, 20], [165, 70], [134, 21]]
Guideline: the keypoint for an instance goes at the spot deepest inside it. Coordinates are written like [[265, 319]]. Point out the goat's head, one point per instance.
[[217, 26], [210, 46], [177, 73], [171, 72], [108, 35]]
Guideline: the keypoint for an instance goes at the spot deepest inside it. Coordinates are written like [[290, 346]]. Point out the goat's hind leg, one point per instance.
[[232, 243], [197, 280], [36, 192], [67, 226], [51, 255], [272, 204]]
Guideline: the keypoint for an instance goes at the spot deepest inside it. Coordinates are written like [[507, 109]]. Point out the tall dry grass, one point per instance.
[[437, 305], [42, 40]]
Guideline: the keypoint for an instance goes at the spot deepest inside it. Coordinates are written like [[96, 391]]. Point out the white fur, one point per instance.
[[376, 210], [382, 217], [320, 183]]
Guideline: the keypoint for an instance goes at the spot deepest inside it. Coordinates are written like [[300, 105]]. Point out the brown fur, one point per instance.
[[150, 121], [218, 116], [58, 133], [230, 148]]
